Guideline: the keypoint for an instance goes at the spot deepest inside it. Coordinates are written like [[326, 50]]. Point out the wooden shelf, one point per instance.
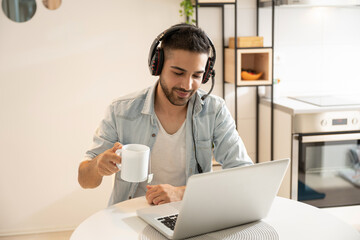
[[259, 60], [216, 1]]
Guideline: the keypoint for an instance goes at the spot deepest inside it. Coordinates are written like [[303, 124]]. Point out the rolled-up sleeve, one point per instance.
[[105, 135]]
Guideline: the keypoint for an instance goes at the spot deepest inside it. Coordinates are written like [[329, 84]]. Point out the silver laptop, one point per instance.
[[218, 200]]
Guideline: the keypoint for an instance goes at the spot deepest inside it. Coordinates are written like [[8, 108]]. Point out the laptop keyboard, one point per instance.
[[169, 221]]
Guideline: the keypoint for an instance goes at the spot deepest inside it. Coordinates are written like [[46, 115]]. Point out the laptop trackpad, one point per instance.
[[160, 210], [176, 205]]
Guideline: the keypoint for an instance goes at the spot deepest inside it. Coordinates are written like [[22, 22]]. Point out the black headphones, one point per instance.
[[156, 54]]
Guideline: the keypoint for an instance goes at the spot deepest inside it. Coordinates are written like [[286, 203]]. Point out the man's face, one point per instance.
[[181, 75]]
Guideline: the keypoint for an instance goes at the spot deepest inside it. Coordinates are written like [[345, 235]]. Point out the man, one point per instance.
[[180, 123]]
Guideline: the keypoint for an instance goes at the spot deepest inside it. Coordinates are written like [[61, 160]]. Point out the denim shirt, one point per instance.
[[132, 119]]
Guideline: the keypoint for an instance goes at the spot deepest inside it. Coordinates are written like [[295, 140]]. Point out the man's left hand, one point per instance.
[[164, 193]]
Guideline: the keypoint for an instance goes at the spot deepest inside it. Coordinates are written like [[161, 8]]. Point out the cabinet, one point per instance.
[[283, 143], [259, 60], [237, 58]]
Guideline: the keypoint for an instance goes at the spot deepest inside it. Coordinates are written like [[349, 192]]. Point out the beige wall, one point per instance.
[[58, 72]]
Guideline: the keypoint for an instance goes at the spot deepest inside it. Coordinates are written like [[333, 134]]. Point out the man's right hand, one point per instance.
[[91, 172], [106, 161]]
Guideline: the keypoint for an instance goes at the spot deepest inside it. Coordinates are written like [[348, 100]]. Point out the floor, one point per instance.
[[41, 236]]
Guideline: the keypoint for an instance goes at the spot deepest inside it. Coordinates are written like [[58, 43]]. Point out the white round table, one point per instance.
[[291, 220]]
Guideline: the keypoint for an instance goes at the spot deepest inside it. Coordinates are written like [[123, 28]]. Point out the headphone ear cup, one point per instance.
[[157, 62], [208, 70]]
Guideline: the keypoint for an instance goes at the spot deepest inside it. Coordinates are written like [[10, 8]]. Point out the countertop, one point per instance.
[[294, 107]]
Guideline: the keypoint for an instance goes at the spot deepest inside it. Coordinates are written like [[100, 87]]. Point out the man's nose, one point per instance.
[[187, 83]]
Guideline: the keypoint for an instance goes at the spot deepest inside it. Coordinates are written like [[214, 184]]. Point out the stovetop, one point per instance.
[[329, 101]]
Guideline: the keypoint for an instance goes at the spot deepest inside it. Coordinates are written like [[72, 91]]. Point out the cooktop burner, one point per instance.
[[329, 101]]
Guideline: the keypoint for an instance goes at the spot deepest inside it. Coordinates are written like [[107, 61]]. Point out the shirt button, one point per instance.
[[153, 135]]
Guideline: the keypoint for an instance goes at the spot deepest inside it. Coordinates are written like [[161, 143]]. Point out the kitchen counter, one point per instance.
[[293, 107], [293, 117]]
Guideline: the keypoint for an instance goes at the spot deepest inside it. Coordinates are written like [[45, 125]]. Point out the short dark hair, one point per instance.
[[189, 37]]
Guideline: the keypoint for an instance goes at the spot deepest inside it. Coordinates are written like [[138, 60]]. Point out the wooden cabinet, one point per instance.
[[282, 142], [259, 59]]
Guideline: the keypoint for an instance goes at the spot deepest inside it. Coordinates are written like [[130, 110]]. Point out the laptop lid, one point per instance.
[[227, 198]]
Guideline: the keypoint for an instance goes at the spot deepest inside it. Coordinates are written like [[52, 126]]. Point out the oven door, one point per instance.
[[328, 169]]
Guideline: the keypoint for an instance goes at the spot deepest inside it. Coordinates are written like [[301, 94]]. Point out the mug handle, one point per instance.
[[119, 153]]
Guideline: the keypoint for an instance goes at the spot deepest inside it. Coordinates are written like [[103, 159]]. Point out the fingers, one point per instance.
[[163, 198], [149, 193], [106, 163], [106, 167], [110, 158], [116, 146], [152, 193], [156, 195], [116, 158]]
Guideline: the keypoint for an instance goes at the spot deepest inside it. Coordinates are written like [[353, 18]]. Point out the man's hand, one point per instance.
[[106, 162], [164, 193]]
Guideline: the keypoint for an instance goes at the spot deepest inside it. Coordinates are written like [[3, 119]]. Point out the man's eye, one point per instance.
[[197, 76], [178, 73]]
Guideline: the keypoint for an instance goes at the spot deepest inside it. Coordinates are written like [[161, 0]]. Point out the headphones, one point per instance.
[[156, 54]]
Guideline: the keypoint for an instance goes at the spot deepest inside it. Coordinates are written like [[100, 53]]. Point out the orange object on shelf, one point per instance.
[[250, 76]]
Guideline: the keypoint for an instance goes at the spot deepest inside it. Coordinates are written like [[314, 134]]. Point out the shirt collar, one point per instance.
[[196, 99], [148, 107]]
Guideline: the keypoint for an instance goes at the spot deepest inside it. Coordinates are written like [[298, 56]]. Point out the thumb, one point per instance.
[[116, 146]]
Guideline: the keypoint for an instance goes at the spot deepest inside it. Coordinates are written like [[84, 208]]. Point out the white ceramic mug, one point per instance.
[[134, 162]]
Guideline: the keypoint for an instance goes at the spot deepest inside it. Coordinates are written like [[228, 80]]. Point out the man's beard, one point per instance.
[[171, 95]]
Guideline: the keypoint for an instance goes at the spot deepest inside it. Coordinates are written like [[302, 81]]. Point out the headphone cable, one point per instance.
[[193, 136]]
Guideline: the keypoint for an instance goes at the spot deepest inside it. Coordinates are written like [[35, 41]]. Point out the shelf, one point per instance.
[[216, 1], [248, 56], [257, 59], [247, 42]]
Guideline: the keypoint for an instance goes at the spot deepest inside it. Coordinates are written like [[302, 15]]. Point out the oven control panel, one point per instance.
[[327, 122]]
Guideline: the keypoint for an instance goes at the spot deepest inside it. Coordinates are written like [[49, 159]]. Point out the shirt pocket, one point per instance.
[[204, 154]]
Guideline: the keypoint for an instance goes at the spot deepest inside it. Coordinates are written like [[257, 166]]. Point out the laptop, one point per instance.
[[218, 200]]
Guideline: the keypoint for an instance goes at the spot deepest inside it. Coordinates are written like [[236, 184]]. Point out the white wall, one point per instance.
[[316, 49], [58, 72]]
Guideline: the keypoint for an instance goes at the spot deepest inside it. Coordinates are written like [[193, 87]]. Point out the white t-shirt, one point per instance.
[[168, 160]]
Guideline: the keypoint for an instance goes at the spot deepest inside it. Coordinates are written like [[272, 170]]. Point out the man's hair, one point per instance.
[[189, 38]]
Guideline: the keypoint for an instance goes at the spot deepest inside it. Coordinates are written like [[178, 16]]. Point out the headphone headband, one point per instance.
[[158, 39], [156, 54]]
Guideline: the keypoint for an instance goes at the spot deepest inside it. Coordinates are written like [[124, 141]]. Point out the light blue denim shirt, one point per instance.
[[132, 119]]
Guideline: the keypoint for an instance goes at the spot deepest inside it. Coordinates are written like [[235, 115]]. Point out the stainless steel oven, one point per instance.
[[325, 153]]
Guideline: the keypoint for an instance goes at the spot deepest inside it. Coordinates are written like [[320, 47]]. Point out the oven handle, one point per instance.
[[332, 137]]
